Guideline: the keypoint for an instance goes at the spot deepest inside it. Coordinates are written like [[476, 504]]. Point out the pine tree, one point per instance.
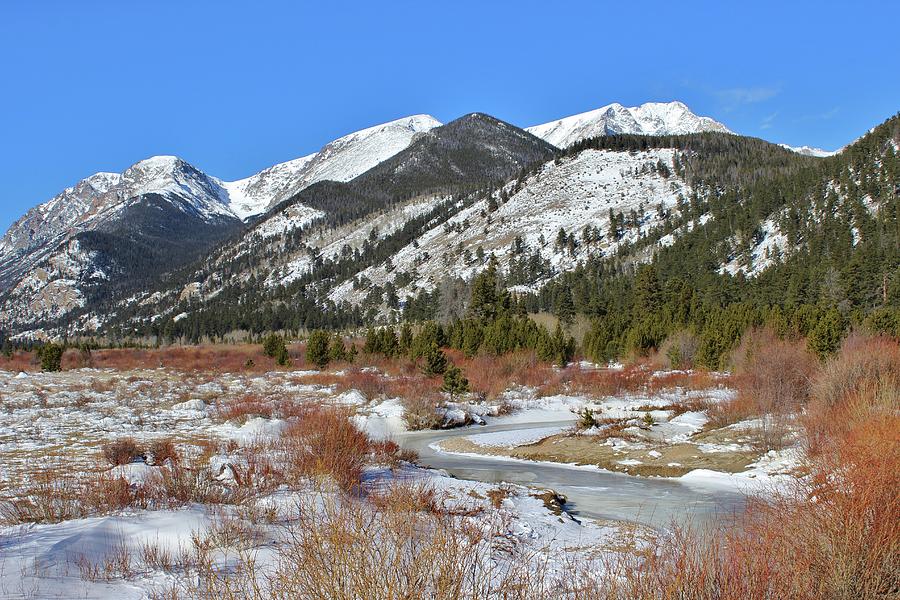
[[51, 356], [371, 344], [406, 339], [272, 344], [337, 351], [435, 362], [565, 308], [825, 337], [282, 357], [454, 382], [317, 348]]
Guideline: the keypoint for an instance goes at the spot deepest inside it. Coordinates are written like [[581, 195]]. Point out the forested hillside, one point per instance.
[[838, 262], [679, 242]]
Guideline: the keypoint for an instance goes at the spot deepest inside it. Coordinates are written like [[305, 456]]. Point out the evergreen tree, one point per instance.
[[435, 362], [371, 344], [282, 357], [454, 382], [488, 300], [406, 339], [565, 308], [825, 338], [317, 348], [51, 356], [337, 351], [272, 345]]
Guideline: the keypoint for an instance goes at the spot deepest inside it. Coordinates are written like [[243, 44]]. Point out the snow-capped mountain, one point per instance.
[[113, 228], [378, 218], [102, 198], [651, 118], [810, 151], [522, 222], [341, 160]]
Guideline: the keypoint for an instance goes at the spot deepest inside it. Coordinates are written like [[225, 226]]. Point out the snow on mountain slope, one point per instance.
[[578, 191], [340, 160], [771, 245], [651, 118], [101, 198], [810, 151], [102, 195], [331, 243], [253, 195]]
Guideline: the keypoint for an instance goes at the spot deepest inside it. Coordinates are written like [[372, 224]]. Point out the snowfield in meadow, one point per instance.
[[58, 421]]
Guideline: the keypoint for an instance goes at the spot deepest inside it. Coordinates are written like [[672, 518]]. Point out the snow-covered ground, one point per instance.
[[60, 420]]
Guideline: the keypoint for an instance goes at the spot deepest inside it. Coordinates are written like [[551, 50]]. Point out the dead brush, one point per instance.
[[607, 382], [163, 450], [605, 429], [421, 412], [406, 496], [687, 380], [863, 361], [117, 564], [324, 442], [389, 453], [186, 484], [498, 495], [121, 451], [101, 386], [61, 495], [243, 408]]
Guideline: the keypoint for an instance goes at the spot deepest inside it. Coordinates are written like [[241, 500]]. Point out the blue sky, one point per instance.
[[234, 87]]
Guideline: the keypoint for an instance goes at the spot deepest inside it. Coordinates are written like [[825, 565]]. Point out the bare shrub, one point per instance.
[[121, 451], [679, 350], [62, 495], [421, 412], [773, 379], [244, 408], [863, 360], [343, 548], [326, 442], [163, 450]]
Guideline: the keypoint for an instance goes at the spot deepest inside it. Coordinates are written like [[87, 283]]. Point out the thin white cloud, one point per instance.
[[739, 96], [766, 123], [822, 116]]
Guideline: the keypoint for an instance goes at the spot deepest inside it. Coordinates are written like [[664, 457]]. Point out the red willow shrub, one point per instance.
[[324, 442]]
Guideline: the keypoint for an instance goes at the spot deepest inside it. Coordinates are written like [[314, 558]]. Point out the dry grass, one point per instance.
[[402, 546], [834, 535], [20, 361], [163, 450], [859, 385], [243, 408], [216, 358], [863, 361]]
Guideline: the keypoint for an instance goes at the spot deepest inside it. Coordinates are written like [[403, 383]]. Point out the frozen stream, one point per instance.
[[590, 492]]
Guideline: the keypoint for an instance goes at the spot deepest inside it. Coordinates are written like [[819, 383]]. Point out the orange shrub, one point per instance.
[[121, 451], [325, 442], [773, 379], [240, 409], [863, 360], [163, 450], [859, 384], [20, 361]]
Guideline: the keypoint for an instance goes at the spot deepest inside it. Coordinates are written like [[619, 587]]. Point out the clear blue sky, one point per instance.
[[234, 87]]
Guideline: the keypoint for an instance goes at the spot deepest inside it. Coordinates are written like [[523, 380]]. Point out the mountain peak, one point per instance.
[[650, 118]]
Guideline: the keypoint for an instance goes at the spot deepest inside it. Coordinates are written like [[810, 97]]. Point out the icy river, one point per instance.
[[589, 492]]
